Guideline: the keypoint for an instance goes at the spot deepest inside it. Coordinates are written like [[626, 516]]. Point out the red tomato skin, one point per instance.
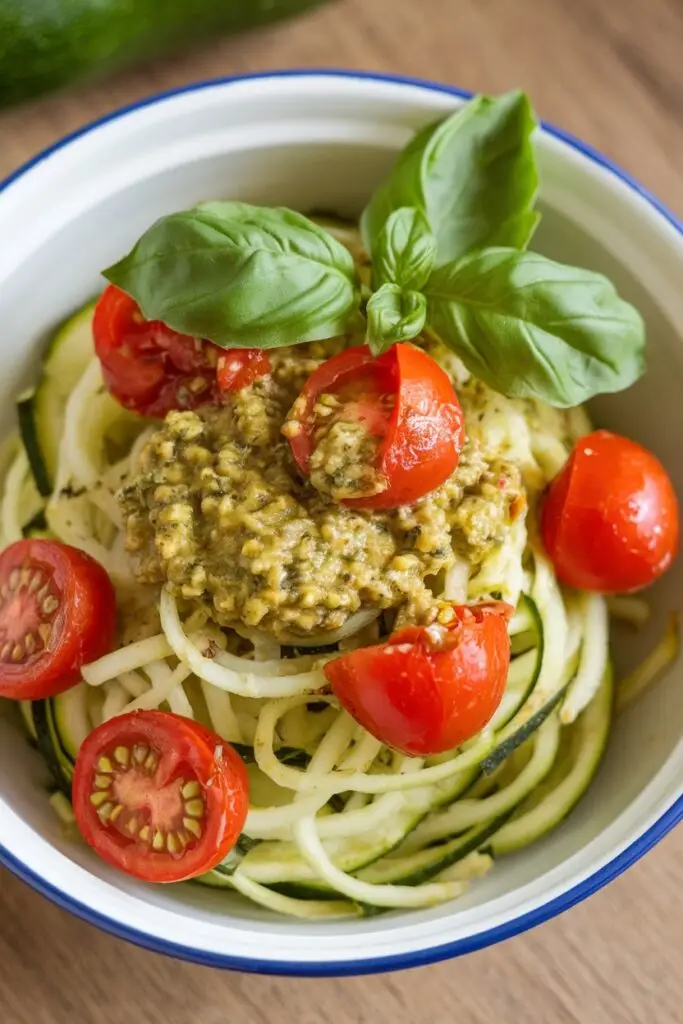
[[214, 763], [240, 367], [610, 520], [423, 435], [421, 698], [147, 367], [83, 625]]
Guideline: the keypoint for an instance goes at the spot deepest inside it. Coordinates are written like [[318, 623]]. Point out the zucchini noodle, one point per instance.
[[652, 666], [247, 682], [340, 823]]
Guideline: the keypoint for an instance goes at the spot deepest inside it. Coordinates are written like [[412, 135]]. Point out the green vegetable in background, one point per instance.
[[447, 232], [243, 276], [48, 44]]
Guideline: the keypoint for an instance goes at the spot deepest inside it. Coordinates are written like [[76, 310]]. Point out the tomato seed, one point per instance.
[[36, 581], [193, 826], [105, 811], [195, 808]]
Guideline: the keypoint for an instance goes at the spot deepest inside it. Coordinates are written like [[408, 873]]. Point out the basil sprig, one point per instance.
[[447, 233], [242, 276]]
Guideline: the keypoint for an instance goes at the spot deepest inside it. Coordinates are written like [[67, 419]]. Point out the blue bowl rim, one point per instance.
[[400, 961]]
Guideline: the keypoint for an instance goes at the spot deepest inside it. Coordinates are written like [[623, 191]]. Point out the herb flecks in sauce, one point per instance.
[[221, 512]]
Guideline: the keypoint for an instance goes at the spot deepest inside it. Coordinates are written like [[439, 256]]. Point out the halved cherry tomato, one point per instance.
[[428, 688], [57, 613], [159, 796], [239, 367], [150, 368], [610, 519], [403, 398]]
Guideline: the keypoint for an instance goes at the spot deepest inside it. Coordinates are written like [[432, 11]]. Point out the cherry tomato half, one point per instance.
[[159, 796], [610, 519], [57, 613], [147, 367], [428, 688], [403, 398]]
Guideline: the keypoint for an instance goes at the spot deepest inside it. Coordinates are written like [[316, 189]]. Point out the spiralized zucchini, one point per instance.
[[339, 823]]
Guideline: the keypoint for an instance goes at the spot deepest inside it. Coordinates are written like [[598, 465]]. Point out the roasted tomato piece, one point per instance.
[[57, 613], [159, 796], [147, 367], [377, 431], [610, 518], [428, 689]]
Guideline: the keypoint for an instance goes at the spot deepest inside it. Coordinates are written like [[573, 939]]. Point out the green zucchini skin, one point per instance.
[[49, 44], [26, 414]]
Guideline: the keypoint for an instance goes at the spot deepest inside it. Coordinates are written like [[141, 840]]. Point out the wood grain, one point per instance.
[[613, 74]]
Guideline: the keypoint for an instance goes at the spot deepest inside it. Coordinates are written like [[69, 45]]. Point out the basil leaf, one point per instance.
[[529, 327], [473, 176], [394, 315], [242, 276], [405, 251]]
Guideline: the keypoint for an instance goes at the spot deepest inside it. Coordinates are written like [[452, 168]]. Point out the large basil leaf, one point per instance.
[[473, 176], [529, 327], [394, 315], [405, 251], [242, 276]]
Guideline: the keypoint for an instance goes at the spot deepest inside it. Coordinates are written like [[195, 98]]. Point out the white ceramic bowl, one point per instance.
[[324, 140]]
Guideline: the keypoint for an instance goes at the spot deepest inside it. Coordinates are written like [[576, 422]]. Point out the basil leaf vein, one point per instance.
[[533, 328], [242, 276]]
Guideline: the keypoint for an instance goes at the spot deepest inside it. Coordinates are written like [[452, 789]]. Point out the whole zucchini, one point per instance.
[[49, 44]]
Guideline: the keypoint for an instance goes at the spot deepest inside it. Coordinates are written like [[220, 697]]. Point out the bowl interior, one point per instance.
[[322, 143]]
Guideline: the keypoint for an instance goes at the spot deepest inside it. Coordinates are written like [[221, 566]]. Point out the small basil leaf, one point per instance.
[[473, 176], [405, 250], [242, 276], [394, 315], [532, 328]]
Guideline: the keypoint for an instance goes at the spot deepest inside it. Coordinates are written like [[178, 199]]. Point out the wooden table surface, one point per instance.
[[613, 74]]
